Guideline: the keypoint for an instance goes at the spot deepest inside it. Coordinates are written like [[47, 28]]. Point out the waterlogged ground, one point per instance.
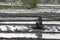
[[29, 11], [48, 28], [18, 35]]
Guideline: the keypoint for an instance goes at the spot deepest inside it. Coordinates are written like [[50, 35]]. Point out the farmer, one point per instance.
[[39, 23]]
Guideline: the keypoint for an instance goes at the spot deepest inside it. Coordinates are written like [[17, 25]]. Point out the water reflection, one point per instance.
[[52, 28], [14, 28]]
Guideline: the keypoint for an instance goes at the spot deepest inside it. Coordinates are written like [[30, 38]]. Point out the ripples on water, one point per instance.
[[51, 32], [48, 28], [52, 28]]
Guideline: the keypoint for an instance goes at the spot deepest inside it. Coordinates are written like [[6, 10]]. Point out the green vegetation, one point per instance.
[[30, 3], [26, 3], [16, 2], [33, 2]]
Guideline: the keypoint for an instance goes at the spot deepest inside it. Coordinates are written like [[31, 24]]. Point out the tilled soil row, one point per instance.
[[26, 39]]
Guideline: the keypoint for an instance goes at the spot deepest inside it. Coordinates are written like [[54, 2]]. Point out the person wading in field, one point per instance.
[[39, 23]]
